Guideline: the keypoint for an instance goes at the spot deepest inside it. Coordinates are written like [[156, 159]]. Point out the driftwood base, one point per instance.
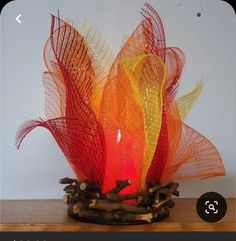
[[86, 202]]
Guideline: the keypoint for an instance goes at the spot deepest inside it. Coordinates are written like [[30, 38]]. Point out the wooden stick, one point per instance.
[[90, 194], [82, 185], [92, 187], [168, 192], [157, 197], [78, 207], [67, 180], [170, 203], [145, 199], [163, 211], [109, 206], [176, 193], [70, 190], [66, 197], [173, 188], [119, 198], [158, 186], [140, 197], [120, 185]]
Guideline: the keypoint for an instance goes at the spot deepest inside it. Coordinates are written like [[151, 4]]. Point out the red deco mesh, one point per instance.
[[68, 86], [195, 157]]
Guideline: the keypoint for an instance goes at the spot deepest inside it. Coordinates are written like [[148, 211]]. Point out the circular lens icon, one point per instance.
[[211, 207]]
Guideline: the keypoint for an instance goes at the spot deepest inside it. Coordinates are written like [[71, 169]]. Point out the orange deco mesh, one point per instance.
[[118, 119]]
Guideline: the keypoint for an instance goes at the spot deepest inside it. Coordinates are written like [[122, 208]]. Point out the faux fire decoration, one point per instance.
[[119, 124]]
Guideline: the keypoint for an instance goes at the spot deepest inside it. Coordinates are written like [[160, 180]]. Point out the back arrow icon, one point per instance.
[[18, 18]]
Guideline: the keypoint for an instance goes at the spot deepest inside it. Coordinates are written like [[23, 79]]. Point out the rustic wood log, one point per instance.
[[157, 197], [92, 187], [109, 206], [67, 180], [164, 210], [68, 198], [120, 185], [145, 199], [160, 192], [88, 195], [158, 186], [170, 203], [90, 214], [81, 185], [152, 184], [164, 191], [78, 207], [160, 204], [68, 188], [71, 191], [119, 198], [140, 197], [176, 193], [172, 187], [160, 195]]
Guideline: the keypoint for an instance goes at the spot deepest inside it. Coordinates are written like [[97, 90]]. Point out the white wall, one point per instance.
[[208, 42]]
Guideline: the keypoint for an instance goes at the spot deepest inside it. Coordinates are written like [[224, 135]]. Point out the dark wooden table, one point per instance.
[[50, 215]]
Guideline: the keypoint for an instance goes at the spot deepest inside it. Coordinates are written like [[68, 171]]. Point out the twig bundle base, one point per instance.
[[87, 203]]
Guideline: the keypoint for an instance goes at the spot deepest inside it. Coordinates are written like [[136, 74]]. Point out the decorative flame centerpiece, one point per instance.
[[118, 122]]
